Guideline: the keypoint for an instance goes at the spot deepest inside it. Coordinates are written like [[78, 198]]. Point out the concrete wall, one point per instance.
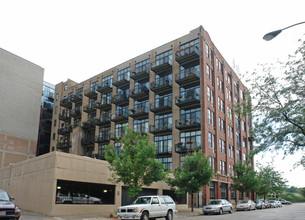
[[33, 183], [20, 100]]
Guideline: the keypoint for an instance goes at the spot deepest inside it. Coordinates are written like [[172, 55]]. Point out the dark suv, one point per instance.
[[8, 209]]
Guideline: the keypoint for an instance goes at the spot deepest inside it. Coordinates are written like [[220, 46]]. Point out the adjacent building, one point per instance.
[[181, 94], [20, 98]]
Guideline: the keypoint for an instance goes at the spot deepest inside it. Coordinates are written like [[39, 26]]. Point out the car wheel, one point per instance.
[[169, 215], [231, 211], [145, 216], [220, 211]]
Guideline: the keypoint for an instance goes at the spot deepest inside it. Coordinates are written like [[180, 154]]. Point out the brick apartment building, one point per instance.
[[182, 94]]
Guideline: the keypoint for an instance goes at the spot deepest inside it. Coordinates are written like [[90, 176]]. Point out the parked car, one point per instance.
[[8, 209], [76, 198], [245, 205], [267, 204], [285, 202], [273, 204], [260, 204], [218, 206], [146, 207], [279, 204]]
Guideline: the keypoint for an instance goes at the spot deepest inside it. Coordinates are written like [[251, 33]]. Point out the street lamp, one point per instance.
[[273, 34]]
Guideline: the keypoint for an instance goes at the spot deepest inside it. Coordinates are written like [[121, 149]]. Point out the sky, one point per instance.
[[78, 39]]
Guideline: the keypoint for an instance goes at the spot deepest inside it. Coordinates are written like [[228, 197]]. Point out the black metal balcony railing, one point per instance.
[[164, 106], [120, 99], [188, 147], [76, 113], [104, 120], [188, 100], [161, 86], [139, 112], [91, 107], [117, 135], [90, 124], [122, 81], [120, 116], [87, 141], [66, 102], [104, 104], [141, 73], [66, 116], [76, 98], [164, 151], [188, 77], [163, 65], [188, 56], [91, 92], [64, 130], [102, 138], [142, 130], [139, 93], [63, 145], [189, 125], [105, 87], [163, 128]]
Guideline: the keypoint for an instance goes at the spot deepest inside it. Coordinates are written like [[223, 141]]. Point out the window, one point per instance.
[[163, 144], [65, 87], [55, 110], [54, 124], [124, 74], [143, 66], [224, 191], [207, 50], [212, 162], [192, 137], [107, 81], [238, 139], [229, 113], [209, 73], [163, 122], [211, 141], [209, 94], [238, 155], [222, 146], [231, 151], [191, 116], [231, 169], [141, 126], [57, 96], [237, 122], [229, 94], [220, 85], [223, 167], [233, 194], [211, 118], [165, 57], [221, 105], [163, 101], [122, 111], [212, 190], [167, 161], [222, 125], [119, 129], [53, 138], [243, 126], [79, 92], [244, 142], [140, 106], [244, 157], [230, 132]]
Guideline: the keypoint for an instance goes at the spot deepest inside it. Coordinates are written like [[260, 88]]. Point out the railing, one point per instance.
[[188, 122], [188, 147], [185, 73], [187, 51], [164, 60], [189, 95], [139, 89]]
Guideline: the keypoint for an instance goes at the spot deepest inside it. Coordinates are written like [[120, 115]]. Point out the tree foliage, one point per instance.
[[271, 181], [245, 179], [194, 173], [279, 107], [136, 165]]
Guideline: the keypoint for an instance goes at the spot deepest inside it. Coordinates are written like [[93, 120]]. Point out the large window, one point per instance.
[[224, 191], [163, 101], [191, 137], [212, 190], [163, 121], [120, 130], [124, 74], [140, 106], [70, 192], [222, 146], [107, 81], [165, 57], [141, 126], [142, 66], [122, 111], [189, 94], [191, 116], [163, 144], [167, 161], [211, 141], [93, 86]]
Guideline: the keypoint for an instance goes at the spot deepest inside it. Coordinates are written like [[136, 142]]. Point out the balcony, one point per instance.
[[139, 93], [122, 81], [162, 66], [139, 112], [91, 107], [188, 56], [188, 100], [102, 138], [66, 116], [141, 74], [167, 151], [87, 141], [106, 87], [189, 147], [161, 86], [188, 125], [91, 92], [66, 102], [142, 130], [90, 124], [189, 77], [117, 135], [103, 121], [76, 113], [120, 117], [76, 98], [64, 130], [105, 104], [161, 129], [63, 145], [161, 107], [120, 99]]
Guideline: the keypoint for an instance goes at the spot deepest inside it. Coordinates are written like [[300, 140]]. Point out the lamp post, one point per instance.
[[273, 34]]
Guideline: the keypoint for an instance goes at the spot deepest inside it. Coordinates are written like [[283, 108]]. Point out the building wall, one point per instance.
[[20, 95]]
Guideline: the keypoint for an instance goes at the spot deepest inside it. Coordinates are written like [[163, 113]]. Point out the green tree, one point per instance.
[[279, 105], [194, 173], [245, 179], [136, 165], [271, 181], [302, 192]]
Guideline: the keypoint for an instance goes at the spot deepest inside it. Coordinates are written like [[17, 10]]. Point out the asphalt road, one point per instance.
[[289, 212]]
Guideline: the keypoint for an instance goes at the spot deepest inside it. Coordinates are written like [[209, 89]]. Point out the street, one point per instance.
[[288, 212]]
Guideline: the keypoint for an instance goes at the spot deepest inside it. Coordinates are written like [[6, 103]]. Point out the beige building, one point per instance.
[[20, 99]]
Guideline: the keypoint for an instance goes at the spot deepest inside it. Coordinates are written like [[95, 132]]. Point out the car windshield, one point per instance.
[[243, 202], [4, 196], [214, 202], [142, 200]]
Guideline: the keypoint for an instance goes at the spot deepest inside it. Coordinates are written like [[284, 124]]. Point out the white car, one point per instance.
[[246, 205], [218, 206], [146, 207]]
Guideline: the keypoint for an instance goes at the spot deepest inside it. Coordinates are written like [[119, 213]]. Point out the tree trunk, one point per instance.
[[192, 202]]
